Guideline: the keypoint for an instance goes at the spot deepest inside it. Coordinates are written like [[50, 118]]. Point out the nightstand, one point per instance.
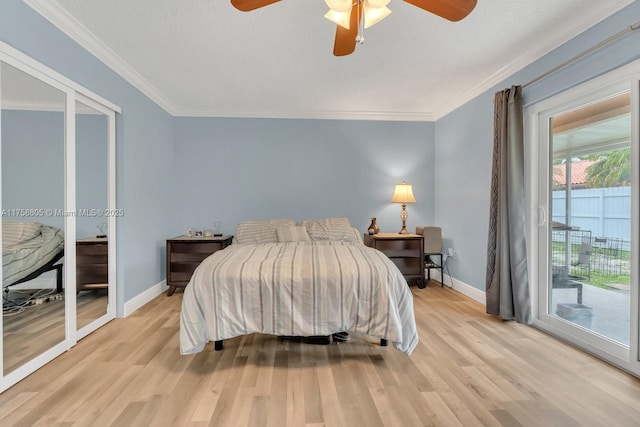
[[92, 264], [185, 253], [405, 250]]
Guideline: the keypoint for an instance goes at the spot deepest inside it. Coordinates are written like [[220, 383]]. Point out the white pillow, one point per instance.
[[262, 231], [15, 232], [292, 233], [330, 229], [358, 235]]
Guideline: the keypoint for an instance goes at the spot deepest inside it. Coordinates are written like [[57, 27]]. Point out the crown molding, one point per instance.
[[40, 106], [523, 61], [318, 114], [70, 26], [43, 106]]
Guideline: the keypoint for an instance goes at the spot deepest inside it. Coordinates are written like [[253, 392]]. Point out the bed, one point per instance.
[[30, 249], [286, 279]]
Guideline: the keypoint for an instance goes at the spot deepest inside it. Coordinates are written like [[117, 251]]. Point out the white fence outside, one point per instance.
[[606, 212]]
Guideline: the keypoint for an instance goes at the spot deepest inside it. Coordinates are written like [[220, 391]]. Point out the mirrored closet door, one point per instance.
[[57, 183], [33, 227], [92, 221]]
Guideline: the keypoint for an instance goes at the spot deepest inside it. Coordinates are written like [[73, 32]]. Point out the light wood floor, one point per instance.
[[468, 370], [40, 327]]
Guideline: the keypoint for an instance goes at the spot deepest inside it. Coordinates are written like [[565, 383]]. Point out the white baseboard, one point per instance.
[[142, 298], [462, 287]]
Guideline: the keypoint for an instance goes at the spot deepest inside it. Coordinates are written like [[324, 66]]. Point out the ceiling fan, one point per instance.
[[351, 15]]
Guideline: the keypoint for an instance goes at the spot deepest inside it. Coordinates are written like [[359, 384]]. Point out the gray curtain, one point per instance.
[[507, 287]]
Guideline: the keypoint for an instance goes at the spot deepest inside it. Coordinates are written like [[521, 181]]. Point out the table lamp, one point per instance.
[[404, 195]]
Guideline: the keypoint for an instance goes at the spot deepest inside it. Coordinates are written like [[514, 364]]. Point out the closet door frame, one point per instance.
[[110, 217], [73, 92]]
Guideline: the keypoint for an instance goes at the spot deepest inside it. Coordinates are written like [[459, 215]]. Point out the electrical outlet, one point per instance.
[[451, 253]]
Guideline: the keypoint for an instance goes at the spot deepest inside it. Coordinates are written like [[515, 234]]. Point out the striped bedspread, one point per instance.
[[299, 289], [27, 247]]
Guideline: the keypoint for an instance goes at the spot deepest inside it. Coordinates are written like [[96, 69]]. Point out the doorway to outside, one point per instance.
[[591, 217], [583, 153]]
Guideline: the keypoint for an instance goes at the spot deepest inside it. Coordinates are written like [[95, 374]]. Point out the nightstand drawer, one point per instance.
[[405, 250], [399, 248], [182, 271], [184, 255], [95, 249], [189, 257], [91, 274], [198, 248], [92, 263], [408, 266]]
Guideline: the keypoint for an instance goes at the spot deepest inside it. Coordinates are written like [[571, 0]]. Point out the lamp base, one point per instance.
[[403, 217]]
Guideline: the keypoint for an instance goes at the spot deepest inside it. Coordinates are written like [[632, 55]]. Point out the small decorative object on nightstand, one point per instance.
[[373, 227], [405, 250], [102, 230], [185, 253]]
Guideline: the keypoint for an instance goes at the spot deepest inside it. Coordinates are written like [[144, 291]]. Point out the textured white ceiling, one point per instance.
[[205, 58]]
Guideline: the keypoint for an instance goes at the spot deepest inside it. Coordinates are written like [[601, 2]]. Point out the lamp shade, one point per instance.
[[403, 194], [378, 3], [340, 5], [341, 18], [373, 16]]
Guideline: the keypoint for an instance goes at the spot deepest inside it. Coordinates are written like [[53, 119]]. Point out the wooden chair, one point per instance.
[[432, 249]]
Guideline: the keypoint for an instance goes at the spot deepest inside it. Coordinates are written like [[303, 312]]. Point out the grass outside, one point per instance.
[[605, 281], [599, 277]]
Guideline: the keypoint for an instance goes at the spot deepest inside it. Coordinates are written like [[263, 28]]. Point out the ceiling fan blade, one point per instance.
[[453, 10], [248, 5], [345, 42]]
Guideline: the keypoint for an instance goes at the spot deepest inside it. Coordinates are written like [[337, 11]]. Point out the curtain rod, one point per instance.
[[584, 53]]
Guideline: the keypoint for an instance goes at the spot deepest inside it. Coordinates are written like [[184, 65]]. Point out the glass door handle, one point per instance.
[[542, 216]]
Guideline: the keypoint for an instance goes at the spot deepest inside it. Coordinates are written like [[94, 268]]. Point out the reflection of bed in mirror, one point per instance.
[[30, 249]]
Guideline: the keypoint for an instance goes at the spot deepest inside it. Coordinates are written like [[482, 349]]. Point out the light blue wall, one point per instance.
[[462, 178], [33, 162], [92, 179], [464, 140], [231, 170], [144, 145]]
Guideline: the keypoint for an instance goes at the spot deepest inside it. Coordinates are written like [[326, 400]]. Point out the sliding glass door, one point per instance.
[[583, 146], [590, 244]]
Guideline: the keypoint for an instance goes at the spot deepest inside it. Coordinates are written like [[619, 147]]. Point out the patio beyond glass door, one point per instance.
[[585, 240], [589, 248], [584, 217]]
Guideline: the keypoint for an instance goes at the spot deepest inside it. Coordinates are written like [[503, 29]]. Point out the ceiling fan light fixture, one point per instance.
[[339, 5], [353, 16], [373, 15], [340, 18], [378, 3]]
